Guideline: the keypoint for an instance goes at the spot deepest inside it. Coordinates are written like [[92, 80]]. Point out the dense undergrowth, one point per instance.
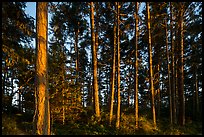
[[21, 124]]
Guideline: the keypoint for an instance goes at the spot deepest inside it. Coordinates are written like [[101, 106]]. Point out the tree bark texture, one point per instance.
[[136, 66], [181, 69], [118, 67], [150, 65], [94, 63], [113, 74], [172, 68], [42, 111], [169, 77]]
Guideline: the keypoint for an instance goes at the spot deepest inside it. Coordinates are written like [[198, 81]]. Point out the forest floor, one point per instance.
[[21, 124]]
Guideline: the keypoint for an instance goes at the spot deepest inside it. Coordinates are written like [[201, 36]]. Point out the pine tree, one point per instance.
[[42, 111], [136, 66], [118, 66], [113, 73], [169, 77], [181, 68], [17, 57], [94, 63], [172, 67], [150, 65]]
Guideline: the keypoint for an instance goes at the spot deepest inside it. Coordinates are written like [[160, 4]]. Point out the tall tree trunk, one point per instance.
[[136, 66], [150, 65], [113, 74], [94, 60], [118, 67], [42, 111], [181, 69], [96, 45], [169, 77], [172, 68]]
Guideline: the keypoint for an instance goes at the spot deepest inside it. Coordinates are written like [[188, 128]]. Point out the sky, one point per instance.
[[31, 9]]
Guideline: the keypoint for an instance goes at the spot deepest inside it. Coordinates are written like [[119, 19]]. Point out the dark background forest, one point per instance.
[[112, 68]]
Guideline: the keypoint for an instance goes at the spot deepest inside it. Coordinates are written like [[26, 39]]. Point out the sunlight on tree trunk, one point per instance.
[[42, 112], [136, 66], [118, 67], [94, 63], [150, 64]]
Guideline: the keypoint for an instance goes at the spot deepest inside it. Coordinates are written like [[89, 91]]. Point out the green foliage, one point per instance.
[[85, 124], [18, 54], [127, 127]]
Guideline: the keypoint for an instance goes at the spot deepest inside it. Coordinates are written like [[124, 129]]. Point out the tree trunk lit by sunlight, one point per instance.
[[118, 67], [150, 64], [136, 66], [94, 61], [42, 112]]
